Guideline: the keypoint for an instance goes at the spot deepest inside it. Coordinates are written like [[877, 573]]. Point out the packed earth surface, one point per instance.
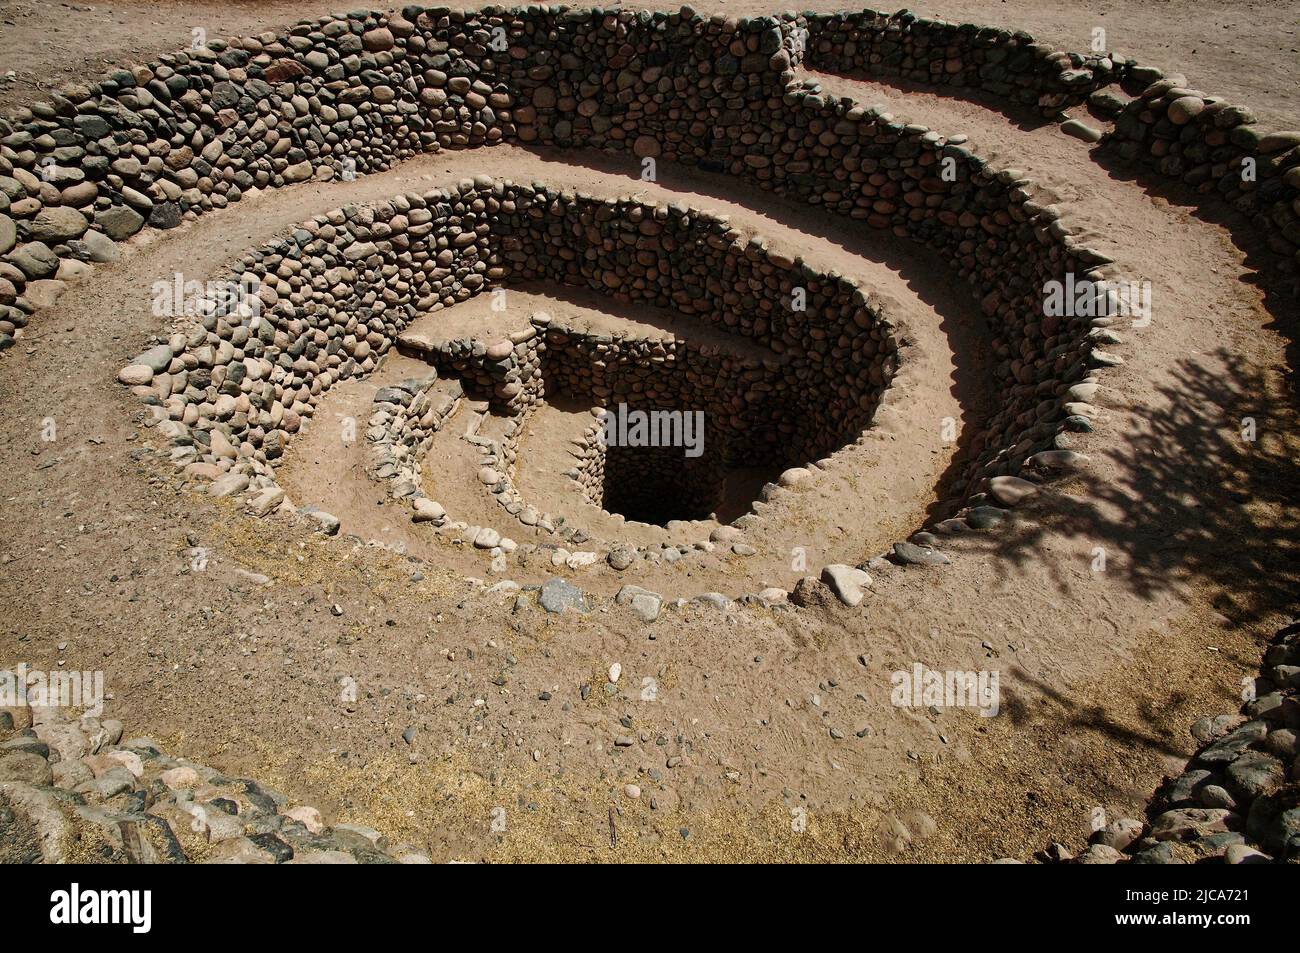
[[328, 343]]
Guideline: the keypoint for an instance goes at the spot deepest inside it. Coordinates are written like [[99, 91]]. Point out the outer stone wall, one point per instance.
[[1162, 124], [1003, 63], [1217, 149], [75, 791]]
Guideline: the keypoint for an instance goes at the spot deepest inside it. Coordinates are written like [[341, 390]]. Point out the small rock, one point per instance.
[[1011, 491], [911, 554], [427, 511], [848, 584], [620, 557], [1081, 130], [1119, 834], [1243, 854], [308, 817], [1190, 823], [557, 595]]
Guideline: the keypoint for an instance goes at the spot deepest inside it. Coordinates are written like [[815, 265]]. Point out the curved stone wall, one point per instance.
[[1161, 124], [1009, 65], [1218, 150]]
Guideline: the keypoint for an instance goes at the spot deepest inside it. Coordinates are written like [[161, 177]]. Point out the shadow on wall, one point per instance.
[[1202, 495]]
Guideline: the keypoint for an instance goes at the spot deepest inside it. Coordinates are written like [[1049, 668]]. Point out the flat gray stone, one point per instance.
[[1185, 791], [558, 595], [157, 359], [985, 517], [1253, 774], [1010, 490], [1232, 745], [228, 484], [328, 523], [57, 224], [1080, 130], [646, 605], [912, 554], [35, 260], [119, 222], [1190, 823]]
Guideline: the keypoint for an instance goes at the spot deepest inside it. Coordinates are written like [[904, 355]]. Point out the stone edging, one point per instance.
[[73, 791]]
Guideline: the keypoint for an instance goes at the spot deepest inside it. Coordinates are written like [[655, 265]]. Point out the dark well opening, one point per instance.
[[659, 484], [769, 401]]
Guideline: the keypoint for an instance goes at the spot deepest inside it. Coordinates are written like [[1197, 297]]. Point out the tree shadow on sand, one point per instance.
[[1201, 493], [1094, 716]]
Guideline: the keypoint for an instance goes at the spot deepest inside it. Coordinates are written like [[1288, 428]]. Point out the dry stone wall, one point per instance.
[[1162, 125], [335, 298], [403, 421], [832, 353], [1238, 799], [506, 373], [1007, 64], [332, 298], [1217, 149]]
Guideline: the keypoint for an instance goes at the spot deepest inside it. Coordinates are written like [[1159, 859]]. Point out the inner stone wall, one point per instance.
[[334, 296], [833, 358], [337, 294]]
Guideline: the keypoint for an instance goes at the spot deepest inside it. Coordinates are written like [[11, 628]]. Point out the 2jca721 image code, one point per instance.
[[1214, 895]]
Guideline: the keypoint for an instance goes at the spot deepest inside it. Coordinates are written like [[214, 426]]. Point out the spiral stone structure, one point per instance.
[[467, 353]]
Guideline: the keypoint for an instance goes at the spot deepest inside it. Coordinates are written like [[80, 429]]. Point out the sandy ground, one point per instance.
[[752, 722], [1247, 51]]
